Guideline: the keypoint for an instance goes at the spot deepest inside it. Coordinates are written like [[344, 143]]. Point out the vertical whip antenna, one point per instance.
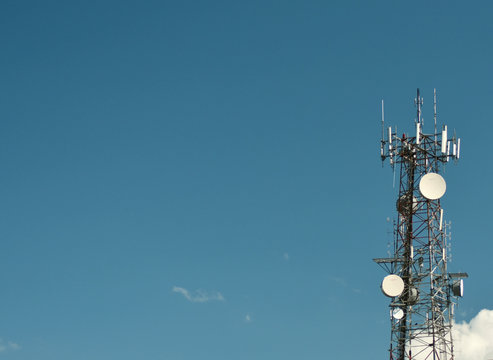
[[435, 111], [382, 142]]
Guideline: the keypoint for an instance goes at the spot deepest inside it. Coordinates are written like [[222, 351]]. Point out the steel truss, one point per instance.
[[421, 317]]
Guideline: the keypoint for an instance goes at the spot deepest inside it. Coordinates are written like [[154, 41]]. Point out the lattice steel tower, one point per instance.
[[422, 291]]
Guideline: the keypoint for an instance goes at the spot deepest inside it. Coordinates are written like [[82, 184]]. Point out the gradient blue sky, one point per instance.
[[150, 148]]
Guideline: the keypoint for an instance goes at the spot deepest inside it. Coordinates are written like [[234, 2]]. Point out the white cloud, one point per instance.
[[199, 296], [474, 340], [285, 256], [248, 318], [8, 345], [14, 346]]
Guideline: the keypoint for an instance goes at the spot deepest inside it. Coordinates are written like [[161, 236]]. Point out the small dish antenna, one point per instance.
[[406, 206], [392, 285], [432, 186], [397, 313], [413, 295]]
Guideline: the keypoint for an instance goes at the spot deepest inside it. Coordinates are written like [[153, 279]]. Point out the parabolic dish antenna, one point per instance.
[[397, 313], [405, 206], [392, 285], [413, 295], [432, 186]]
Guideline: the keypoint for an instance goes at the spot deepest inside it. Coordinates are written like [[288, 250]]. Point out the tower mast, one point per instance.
[[422, 292]]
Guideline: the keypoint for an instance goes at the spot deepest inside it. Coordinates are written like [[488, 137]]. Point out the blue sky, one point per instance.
[[201, 179]]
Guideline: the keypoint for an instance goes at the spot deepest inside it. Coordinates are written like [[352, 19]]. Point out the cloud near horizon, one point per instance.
[[473, 340], [199, 296]]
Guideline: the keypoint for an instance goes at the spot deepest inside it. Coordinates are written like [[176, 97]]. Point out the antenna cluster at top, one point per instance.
[[445, 147]]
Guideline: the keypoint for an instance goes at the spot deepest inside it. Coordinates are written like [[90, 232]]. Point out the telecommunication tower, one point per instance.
[[422, 291]]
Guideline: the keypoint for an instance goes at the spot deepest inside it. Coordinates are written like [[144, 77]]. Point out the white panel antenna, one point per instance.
[[444, 139], [390, 138], [441, 219]]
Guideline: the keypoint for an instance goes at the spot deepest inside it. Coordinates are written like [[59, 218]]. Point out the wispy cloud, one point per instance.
[[199, 296], [8, 345], [340, 281], [285, 256], [343, 283], [474, 340], [248, 318]]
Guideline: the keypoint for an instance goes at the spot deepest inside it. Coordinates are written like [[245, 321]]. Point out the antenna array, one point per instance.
[[422, 291]]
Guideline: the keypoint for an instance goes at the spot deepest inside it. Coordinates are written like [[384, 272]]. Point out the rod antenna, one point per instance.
[[382, 143], [435, 111], [383, 122]]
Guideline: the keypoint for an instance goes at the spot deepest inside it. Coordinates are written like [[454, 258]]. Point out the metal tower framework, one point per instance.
[[422, 315]]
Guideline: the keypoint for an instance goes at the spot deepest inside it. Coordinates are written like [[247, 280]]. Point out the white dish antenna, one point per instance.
[[432, 186], [397, 313], [392, 285], [413, 295]]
